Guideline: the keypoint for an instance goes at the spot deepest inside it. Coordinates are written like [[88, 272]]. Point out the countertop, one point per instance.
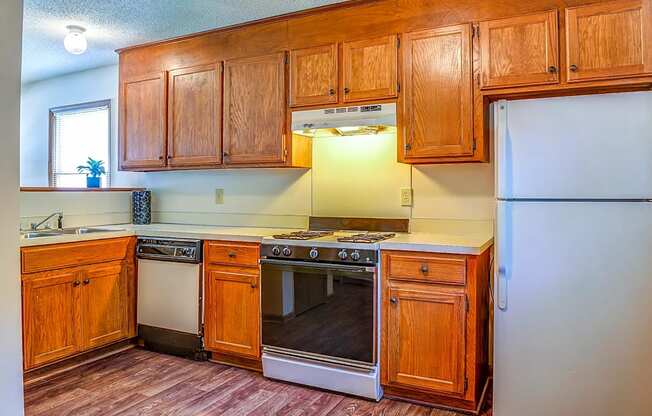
[[469, 241]]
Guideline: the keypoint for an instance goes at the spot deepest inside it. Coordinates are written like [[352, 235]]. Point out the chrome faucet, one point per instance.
[[36, 226]]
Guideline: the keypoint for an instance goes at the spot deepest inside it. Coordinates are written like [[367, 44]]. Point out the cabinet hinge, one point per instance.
[[398, 87], [466, 384], [287, 59], [398, 42], [285, 154], [466, 303], [408, 146], [474, 144]]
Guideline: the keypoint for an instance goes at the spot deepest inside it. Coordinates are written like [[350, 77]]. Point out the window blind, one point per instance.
[[79, 132]]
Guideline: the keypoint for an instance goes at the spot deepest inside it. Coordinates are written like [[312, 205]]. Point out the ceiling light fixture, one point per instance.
[[75, 40]]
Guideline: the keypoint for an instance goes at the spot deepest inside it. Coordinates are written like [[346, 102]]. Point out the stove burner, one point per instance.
[[302, 235], [366, 238]]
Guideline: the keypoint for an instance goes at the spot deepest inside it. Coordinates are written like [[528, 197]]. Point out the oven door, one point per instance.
[[320, 311]]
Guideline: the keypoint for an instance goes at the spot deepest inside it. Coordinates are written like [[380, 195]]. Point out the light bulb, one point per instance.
[[75, 40]]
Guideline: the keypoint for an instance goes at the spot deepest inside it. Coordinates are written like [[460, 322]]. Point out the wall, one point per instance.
[[351, 176], [11, 383], [36, 100]]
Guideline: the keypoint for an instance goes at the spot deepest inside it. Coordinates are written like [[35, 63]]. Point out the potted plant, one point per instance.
[[93, 169]]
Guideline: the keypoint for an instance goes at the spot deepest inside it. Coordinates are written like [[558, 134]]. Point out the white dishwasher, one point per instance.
[[170, 296]]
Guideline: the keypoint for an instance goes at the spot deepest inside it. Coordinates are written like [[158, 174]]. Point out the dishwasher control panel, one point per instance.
[[169, 249]]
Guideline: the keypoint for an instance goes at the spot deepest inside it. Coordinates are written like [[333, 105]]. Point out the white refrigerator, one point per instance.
[[573, 265]]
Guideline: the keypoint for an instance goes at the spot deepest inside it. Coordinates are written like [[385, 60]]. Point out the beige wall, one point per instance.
[[11, 383]]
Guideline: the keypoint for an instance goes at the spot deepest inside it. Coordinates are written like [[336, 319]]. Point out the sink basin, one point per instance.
[[68, 231], [88, 230], [37, 234]]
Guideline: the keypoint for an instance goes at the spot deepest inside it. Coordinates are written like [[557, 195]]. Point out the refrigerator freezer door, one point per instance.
[[575, 334], [582, 147]]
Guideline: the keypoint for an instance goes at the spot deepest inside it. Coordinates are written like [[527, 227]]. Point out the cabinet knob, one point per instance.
[[232, 254], [393, 300], [347, 90], [225, 154], [254, 282], [169, 157], [331, 91], [161, 158], [552, 69], [573, 68], [424, 268], [76, 283], [87, 281]]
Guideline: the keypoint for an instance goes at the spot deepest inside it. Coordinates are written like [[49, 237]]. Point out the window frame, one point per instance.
[[52, 131]]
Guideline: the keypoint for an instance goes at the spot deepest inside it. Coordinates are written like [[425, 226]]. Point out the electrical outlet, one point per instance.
[[406, 197], [219, 196]]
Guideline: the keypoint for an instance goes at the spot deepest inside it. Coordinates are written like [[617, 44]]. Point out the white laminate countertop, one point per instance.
[[467, 242]]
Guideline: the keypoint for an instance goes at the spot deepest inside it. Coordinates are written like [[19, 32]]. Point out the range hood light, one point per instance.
[[358, 130]]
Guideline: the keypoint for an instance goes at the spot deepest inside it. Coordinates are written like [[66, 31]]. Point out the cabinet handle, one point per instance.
[[169, 157], [347, 90], [232, 254], [393, 300], [76, 283], [573, 68], [552, 69], [161, 158], [254, 282], [331, 91], [87, 281], [225, 154], [424, 268]]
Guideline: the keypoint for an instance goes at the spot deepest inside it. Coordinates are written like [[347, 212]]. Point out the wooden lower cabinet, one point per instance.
[[232, 302], [76, 309], [435, 332], [51, 317]]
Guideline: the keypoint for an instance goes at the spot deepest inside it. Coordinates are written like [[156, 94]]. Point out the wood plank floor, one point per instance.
[[139, 382]]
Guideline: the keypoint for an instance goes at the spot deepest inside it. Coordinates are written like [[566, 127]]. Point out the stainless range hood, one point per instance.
[[345, 121]]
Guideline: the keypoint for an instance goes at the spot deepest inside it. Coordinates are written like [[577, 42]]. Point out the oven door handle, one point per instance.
[[329, 266]]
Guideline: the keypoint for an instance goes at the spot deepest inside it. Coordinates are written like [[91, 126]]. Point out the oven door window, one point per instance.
[[320, 311]]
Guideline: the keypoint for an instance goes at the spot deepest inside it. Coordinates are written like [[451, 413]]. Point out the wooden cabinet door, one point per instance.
[[370, 69], [313, 76], [609, 40], [51, 317], [195, 116], [232, 311], [425, 339], [437, 102], [519, 51], [103, 305], [142, 121], [254, 110]]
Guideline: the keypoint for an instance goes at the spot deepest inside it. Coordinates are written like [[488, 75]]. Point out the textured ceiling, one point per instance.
[[113, 24]]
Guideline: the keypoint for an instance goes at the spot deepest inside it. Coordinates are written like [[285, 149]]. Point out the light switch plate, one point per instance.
[[406, 197], [219, 196]]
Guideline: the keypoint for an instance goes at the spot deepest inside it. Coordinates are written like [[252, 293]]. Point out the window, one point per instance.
[[78, 132]]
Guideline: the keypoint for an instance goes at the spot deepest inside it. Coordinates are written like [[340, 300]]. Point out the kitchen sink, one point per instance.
[[67, 231], [37, 234]]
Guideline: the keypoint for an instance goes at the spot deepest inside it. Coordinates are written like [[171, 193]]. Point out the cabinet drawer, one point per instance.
[[241, 254], [420, 267], [58, 256]]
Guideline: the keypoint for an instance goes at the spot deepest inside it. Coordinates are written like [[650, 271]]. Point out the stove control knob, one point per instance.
[[287, 251], [276, 250], [355, 256], [313, 253], [342, 254]]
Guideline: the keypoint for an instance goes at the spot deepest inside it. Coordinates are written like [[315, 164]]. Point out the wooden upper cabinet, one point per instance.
[[104, 304], [195, 116], [254, 110], [609, 40], [370, 69], [313, 76], [425, 339], [51, 317], [142, 121], [233, 311], [437, 101], [519, 51]]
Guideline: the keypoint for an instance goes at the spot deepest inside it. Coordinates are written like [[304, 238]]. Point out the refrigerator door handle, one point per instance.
[[501, 288]]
